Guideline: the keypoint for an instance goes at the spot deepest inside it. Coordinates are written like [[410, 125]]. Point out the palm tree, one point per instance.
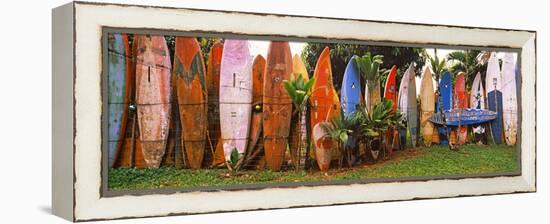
[[369, 67], [438, 66], [469, 61], [299, 91]]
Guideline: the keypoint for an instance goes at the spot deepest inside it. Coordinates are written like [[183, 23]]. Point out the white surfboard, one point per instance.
[[477, 96], [509, 98]]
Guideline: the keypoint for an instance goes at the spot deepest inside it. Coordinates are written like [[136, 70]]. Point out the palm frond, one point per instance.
[[369, 66], [298, 89]]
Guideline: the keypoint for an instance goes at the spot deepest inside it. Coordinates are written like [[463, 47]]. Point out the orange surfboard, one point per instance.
[[213, 86], [325, 105], [192, 98], [277, 109], [258, 70], [153, 96]]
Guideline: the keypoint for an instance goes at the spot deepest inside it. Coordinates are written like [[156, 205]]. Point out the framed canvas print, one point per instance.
[[157, 110]]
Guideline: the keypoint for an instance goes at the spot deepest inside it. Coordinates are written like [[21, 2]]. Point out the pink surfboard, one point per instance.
[[235, 96], [153, 70]]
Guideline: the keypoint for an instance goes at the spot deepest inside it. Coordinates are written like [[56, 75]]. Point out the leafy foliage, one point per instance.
[[340, 128], [381, 118], [438, 66], [369, 66], [298, 89], [469, 62], [234, 158], [340, 55]]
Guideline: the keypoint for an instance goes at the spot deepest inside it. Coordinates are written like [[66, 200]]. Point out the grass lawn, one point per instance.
[[433, 161]]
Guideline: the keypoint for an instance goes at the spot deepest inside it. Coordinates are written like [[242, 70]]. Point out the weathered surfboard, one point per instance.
[[477, 101], [351, 88], [258, 71], [192, 97], [235, 96], [493, 83], [509, 99], [153, 70], [325, 104], [461, 102], [477, 96], [412, 108], [213, 86], [444, 103], [277, 106], [427, 102], [131, 154], [402, 104], [118, 92], [324, 146], [372, 95]]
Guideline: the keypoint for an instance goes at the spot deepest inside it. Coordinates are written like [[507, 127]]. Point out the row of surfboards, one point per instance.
[[458, 107], [246, 95], [453, 107], [239, 100]]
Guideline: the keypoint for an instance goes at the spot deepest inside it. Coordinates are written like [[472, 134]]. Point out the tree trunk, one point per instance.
[[299, 139]]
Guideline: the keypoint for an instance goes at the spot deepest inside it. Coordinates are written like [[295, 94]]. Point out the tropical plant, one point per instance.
[[299, 91], [375, 124], [369, 67], [235, 160], [340, 129]]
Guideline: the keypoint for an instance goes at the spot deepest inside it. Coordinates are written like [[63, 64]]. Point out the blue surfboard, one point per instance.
[[494, 99], [446, 99], [350, 97]]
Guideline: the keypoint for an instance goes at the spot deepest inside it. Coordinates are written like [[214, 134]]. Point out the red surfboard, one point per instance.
[[192, 98], [390, 89], [277, 106], [461, 102]]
